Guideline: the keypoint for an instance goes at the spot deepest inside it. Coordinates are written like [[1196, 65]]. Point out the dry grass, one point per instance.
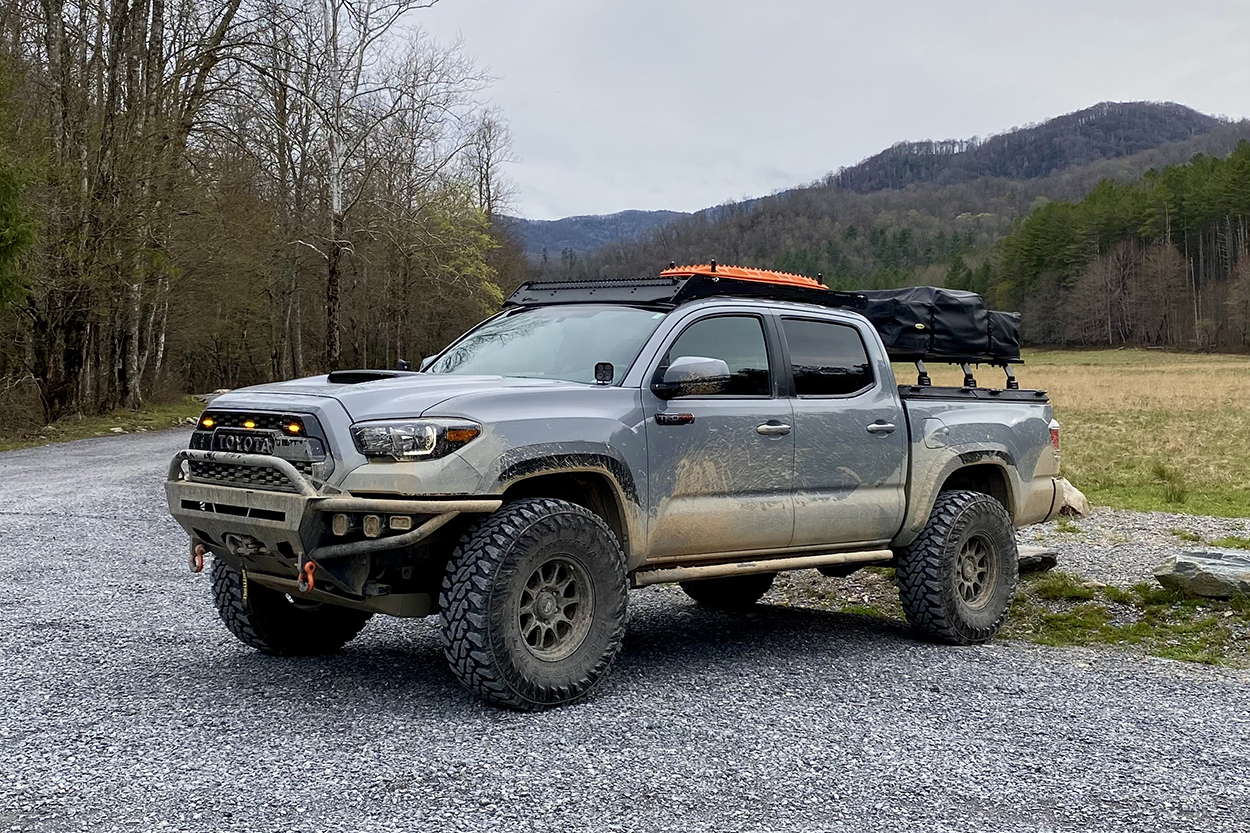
[[1145, 429], [150, 418]]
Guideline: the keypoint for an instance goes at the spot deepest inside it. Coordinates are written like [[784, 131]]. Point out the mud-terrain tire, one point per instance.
[[272, 623], [729, 593], [956, 580], [533, 604]]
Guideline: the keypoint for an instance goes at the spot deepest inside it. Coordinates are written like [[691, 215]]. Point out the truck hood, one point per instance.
[[407, 395]]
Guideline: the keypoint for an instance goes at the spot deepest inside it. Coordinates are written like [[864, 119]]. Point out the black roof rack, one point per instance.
[[916, 323], [672, 292]]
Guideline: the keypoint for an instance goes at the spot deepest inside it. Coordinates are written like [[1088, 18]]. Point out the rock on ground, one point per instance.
[[1219, 574]]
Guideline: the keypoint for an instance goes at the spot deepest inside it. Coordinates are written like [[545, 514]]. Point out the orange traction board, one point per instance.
[[742, 273]]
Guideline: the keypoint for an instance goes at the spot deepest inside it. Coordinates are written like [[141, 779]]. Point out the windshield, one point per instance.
[[556, 342]]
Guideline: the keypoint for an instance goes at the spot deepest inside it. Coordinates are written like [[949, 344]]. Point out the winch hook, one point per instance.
[[197, 558], [306, 580]]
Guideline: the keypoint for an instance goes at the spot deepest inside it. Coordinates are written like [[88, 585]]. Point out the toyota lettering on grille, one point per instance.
[[243, 442]]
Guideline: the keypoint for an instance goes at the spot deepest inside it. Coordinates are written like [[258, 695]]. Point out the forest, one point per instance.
[[1161, 261], [198, 194]]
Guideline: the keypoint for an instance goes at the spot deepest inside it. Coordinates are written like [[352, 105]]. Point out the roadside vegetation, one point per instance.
[[149, 418], [1062, 609]]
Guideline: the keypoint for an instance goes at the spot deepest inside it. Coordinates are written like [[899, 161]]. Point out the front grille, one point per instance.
[[254, 477], [263, 421]]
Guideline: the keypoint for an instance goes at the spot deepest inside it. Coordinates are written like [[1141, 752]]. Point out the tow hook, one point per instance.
[[306, 581], [197, 558]]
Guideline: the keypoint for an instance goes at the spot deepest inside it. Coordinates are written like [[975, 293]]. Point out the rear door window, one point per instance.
[[827, 359]]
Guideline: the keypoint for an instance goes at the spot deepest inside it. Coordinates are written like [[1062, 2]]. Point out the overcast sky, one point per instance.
[[683, 104]]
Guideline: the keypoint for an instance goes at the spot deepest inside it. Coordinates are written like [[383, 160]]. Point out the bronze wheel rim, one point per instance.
[[976, 572], [555, 609]]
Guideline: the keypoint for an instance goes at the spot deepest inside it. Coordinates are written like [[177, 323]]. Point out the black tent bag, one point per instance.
[[1005, 334], [930, 323]]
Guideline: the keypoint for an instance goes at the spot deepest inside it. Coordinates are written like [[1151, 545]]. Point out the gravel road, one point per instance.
[[1120, 547], [125, 706]]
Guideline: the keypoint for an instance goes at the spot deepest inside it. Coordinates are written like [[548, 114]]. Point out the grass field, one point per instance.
[[1144, 429]]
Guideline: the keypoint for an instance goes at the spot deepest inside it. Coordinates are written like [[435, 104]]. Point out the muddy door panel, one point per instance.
[[850, 436], [721, 459], [720, 482]]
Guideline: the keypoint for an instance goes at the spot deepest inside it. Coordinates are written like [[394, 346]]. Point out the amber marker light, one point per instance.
[[293, 428], [207, 422], [249, 424], [461, 435]]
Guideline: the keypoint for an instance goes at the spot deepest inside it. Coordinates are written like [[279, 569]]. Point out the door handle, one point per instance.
[[773, 428], [881, 428]]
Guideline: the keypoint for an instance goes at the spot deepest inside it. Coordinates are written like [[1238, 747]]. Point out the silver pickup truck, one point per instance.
[[589, 439]]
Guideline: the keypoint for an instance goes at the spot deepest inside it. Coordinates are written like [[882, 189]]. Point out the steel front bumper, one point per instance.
[[280, 532]]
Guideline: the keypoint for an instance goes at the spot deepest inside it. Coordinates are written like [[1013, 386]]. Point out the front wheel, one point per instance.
[[274, 623], [533, 604], [956, 580]]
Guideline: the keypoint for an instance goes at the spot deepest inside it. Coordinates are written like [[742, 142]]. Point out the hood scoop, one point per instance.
[[356, 377]]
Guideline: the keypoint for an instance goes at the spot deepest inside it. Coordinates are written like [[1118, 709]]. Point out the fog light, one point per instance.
[[373, 526], [401, 523], [340, 524]]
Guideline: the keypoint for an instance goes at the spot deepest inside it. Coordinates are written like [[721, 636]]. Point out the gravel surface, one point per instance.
[[125, 706], [1120, 547]]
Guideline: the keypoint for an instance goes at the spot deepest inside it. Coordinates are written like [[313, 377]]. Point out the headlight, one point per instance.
[[413, 439]]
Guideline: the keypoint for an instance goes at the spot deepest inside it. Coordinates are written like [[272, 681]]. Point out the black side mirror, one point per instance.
[[693, 376]]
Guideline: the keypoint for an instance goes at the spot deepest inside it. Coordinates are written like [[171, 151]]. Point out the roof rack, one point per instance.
[[674, 291]]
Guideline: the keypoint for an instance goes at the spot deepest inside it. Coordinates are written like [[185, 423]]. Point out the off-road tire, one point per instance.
[[501, 569], [933, 572], [729, 593], [272, 623]]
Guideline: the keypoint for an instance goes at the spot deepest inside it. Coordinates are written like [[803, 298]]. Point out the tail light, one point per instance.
[[1054, 434]]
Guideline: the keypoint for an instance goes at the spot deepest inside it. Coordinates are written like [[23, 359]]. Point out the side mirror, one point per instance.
[[693, 376], [426, 362]]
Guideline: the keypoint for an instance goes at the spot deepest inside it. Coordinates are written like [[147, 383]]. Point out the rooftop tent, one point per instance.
[[929, 323]]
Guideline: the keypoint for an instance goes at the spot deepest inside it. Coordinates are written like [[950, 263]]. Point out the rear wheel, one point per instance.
[[729, 593], [957, 579], [274, 623], [533, 604]]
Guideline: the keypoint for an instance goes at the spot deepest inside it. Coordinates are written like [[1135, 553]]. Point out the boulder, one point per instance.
[[1072, 501], [1219, 574], [1037, 559]]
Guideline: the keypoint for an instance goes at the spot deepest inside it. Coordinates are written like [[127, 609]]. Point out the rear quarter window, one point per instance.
[[826, 358]]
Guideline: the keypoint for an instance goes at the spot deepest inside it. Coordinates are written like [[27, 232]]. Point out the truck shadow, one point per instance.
[[398, 666]]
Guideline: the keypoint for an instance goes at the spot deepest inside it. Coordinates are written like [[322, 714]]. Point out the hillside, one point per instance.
[[1105, 131], [932, 230], [583, 233]]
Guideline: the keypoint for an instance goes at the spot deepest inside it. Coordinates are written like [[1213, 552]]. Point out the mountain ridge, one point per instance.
[[1119, 136]]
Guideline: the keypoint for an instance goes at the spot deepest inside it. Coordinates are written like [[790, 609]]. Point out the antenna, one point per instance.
[[713, 265]]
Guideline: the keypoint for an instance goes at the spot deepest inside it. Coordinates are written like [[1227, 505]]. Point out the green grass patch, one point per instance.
[[1057, 609], [1232, 542], [1186, 535], [151, 418], [1067, 526]]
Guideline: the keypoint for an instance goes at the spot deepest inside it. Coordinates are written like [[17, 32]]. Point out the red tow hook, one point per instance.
[[306, 580], [197, 558]]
